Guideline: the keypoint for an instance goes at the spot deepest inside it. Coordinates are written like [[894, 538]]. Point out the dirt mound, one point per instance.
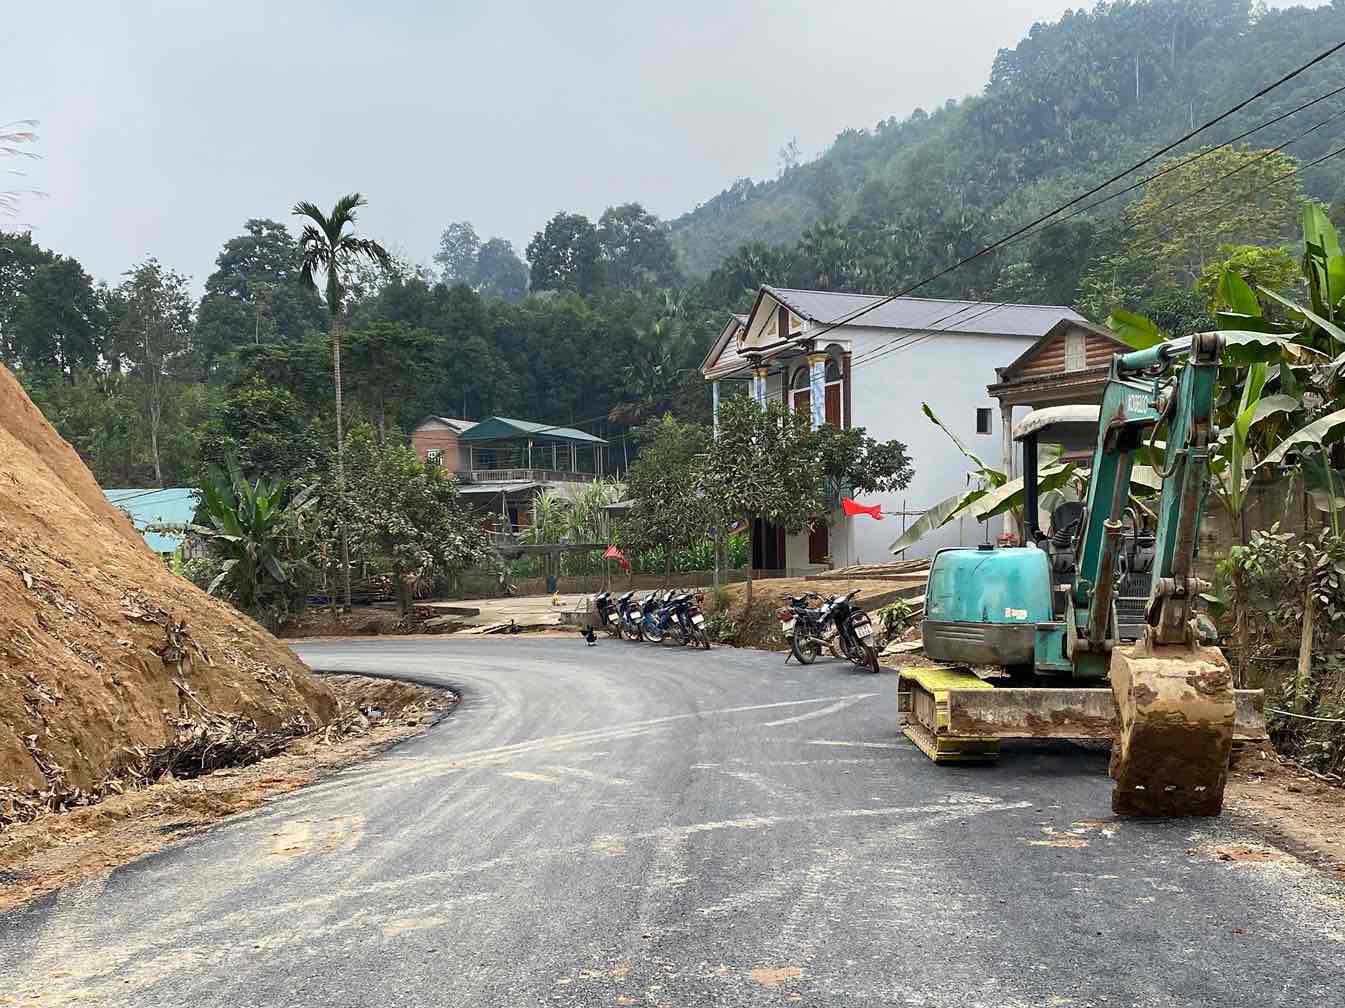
[[103, 651]]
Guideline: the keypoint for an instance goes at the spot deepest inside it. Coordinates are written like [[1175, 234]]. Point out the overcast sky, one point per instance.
[[164, 126]]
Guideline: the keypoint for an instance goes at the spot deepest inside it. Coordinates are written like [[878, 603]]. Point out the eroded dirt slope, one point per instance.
[[103, 649]]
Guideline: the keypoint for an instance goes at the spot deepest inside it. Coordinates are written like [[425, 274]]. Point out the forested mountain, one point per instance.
[[606, 323], [1074, 101]]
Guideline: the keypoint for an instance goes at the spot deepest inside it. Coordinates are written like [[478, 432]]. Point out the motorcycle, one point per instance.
[[629, 616], [836, 624], [660, 616], [607, 614], [689, 620]]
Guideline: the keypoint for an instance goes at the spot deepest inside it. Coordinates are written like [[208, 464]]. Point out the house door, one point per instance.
[[819, 543]]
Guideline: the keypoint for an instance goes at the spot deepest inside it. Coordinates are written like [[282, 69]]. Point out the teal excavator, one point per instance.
[[1046, 613]]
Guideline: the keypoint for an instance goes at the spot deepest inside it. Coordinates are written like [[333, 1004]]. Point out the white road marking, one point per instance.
[[839, 705], [857, 745]]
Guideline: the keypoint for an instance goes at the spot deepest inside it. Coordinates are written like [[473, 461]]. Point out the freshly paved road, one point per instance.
[[626, 825]]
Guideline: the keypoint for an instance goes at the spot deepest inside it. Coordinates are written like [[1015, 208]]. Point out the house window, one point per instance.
[[982, 420], [833, 402], [1076, 351], [434, 456], [800, 395]]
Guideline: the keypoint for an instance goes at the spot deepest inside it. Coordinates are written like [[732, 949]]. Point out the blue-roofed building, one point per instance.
[[160, 515]]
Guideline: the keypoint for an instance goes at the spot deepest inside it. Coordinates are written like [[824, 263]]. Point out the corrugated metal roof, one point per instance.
[[502, 428], [157, 506], [921, 313]]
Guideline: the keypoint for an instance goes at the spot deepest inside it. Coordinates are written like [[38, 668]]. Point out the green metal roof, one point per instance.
[[504, 429], [153, 506]]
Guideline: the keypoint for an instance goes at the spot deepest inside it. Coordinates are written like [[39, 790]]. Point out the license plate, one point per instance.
[[787, 627], [611, 617], [698, 619]]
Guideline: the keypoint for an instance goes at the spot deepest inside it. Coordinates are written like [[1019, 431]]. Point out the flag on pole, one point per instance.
[[615, 554], [852, 508]]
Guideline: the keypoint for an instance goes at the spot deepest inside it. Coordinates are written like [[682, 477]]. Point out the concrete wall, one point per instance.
[[434, 435], [949, 371]]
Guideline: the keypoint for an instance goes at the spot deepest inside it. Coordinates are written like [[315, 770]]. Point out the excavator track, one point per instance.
[[1170, 712]]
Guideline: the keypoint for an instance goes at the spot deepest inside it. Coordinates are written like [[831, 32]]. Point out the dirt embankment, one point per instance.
[[104, 652], [58, 850]]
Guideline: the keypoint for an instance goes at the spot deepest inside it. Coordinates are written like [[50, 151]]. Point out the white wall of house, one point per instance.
[[950, 371]]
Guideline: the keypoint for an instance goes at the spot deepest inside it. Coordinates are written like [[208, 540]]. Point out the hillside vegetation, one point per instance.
[[1073, 102]]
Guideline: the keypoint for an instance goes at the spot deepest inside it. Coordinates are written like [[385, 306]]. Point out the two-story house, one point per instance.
[[502, 464], [865, 361]]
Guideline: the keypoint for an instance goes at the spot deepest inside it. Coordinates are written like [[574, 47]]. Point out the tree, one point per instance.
[[1273, 267], [265, 429], [635, 248], [659, 364], [408, 515], [57, 323], [260, 532], [500, 272], [670, 508], [328, 248], [565, 255], [852, 462], [764, 464], [155, 338], [459, 248], [254, 295], [389, 360]]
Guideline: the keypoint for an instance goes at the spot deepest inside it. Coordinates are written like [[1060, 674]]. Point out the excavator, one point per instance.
[[1079, 658]]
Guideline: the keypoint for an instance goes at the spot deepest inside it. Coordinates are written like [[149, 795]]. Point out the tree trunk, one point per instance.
[[1304, 648], [403, 593], [337, 326], [747, 592]]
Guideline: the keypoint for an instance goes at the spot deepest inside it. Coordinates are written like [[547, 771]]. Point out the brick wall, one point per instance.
[[441, 439]]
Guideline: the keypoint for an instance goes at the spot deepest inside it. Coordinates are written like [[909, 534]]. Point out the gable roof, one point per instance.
[[1056, 331], [826, 307], [504, 429], [157, 506], [723, 353]]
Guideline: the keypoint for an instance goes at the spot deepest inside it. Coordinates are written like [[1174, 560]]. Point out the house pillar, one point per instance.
[[817, 388], [574, 458], [714, 407], [759, 375], [1011, 522], [529, 453]]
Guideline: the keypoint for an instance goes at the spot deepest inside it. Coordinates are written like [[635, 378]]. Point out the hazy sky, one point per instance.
[[164, 126]]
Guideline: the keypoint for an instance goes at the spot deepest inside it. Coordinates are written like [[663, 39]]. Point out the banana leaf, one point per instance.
[[1314, 433], [1010, 495], [1245, 347], [1327, 326], [1136, 331], [1237, 295], [940, 514]]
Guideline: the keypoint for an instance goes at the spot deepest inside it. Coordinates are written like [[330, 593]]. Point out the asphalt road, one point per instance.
[[628, 825]]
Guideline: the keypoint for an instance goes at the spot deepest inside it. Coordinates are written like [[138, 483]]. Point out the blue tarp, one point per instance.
[[150, 506]]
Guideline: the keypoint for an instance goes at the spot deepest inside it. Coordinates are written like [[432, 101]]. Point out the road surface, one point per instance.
[[630, 825]]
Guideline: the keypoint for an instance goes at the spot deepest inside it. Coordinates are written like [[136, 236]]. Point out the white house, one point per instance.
[[825, 353]]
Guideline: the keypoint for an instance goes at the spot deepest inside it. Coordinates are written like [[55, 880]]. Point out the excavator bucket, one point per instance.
[[1177, 714], [1171, 729]]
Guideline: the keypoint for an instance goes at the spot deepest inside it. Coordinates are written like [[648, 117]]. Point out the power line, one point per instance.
[[847, 319], [881, 350]]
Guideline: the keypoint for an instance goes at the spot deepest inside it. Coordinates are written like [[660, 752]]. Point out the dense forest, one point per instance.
[[605, 323]]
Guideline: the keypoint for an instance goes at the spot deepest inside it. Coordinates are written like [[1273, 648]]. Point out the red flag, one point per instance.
[[615, 554], [852, 508]]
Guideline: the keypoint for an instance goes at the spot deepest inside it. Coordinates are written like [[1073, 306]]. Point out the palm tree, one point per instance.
[[328, 248]]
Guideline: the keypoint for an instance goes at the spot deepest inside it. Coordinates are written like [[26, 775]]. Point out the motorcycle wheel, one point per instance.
[[804, 651], [651, 634], [865, 656], [699, 638]]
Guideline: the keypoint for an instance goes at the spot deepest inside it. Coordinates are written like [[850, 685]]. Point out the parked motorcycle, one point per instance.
[[629, 616], [660, 613], [608, 615], [836, 624]]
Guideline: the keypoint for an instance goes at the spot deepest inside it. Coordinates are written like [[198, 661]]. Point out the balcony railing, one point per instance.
[[525, 475]]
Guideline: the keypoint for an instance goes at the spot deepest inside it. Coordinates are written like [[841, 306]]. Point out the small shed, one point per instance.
[[160, 514], [1067, 366]]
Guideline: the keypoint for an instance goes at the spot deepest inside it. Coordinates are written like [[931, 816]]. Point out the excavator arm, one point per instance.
[[1174, 698]]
